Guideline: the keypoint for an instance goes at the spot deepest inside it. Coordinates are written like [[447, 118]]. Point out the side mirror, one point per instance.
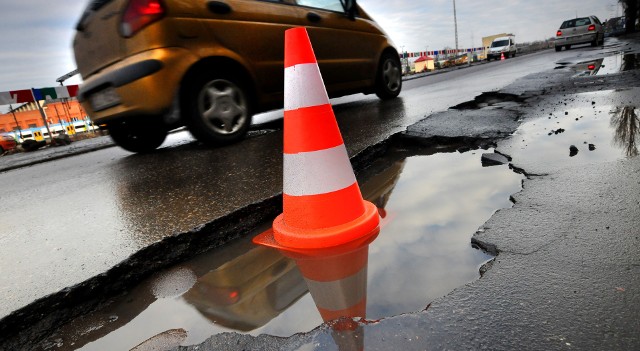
[[350, 8]]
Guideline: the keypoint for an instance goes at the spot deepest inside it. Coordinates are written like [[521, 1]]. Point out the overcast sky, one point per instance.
[[36, 34]]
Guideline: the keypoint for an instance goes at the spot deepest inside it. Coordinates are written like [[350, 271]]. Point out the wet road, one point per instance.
[[69, 220], [247, 288]]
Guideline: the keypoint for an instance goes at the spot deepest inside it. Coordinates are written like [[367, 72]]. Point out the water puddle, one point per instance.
[[613, 63], [430, 207], [580, 129]]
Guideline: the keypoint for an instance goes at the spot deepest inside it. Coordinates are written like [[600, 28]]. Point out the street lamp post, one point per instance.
[[455, 23]]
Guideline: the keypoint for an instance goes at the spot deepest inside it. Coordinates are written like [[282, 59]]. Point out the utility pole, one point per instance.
[[42, 114], [455, 23], [65, 103], [16, 120]]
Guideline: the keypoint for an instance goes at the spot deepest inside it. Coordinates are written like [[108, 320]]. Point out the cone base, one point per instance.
[[327, 237]]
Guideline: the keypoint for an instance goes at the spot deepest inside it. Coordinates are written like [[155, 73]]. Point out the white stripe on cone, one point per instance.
[[317, 172], [340, 294], [303, 87]]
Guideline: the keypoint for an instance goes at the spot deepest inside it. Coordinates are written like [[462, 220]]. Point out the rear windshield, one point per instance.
[[576, 23], [500, 43]]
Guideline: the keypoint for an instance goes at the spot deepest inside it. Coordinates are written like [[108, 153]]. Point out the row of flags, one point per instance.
[[438, 52], [33, 95]]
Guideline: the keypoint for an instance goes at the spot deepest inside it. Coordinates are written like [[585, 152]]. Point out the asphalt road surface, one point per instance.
[[69, 220]]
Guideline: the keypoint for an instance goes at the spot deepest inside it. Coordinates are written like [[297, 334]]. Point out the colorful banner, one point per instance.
[[27, 95], [439, 52]]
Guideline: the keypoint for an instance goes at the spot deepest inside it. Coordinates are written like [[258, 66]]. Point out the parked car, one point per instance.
[[614, 26], [581, 30], [7, 142], [153, 65], [502, 46]]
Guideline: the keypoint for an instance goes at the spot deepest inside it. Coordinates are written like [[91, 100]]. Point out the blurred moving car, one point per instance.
[[580, 31], [502, 46], [7, 142], [154, 65]]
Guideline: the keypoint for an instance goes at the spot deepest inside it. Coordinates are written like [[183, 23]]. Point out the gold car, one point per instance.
[[150, 66]]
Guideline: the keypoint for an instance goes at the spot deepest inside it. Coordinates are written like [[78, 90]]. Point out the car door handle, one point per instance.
[[218, 7], [313, 17]]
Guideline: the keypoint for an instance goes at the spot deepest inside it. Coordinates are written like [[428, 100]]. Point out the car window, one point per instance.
[[597, 20], [568, 24], [582, 22], [331, 5]]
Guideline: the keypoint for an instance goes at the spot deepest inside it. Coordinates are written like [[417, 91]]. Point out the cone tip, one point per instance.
[[297, 47]]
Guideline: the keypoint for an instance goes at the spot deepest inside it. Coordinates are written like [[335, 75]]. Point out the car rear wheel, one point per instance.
[[389, 77], [217, 108], [558, 48], [567, 47], [141, 135]]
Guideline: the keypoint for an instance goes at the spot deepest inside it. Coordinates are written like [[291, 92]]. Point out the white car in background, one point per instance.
[[502, 46]]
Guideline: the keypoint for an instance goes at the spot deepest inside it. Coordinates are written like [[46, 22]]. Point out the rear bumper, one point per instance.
[[576, 39], [145, 84]]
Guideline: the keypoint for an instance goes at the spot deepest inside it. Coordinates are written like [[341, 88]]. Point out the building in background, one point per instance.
[[424, 64], [24, 121]]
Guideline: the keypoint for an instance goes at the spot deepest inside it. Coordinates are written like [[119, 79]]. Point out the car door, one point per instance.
[[252, 32], [347, 49]]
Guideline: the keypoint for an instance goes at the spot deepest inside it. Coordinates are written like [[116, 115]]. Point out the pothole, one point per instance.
[[578, 129], [430, 205], [489, 99]]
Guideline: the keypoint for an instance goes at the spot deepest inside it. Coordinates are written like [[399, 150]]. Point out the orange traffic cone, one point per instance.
[[322, 203], [502, 56]]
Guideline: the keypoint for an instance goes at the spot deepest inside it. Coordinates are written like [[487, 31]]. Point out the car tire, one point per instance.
[[558, 48], [567, 47], [217, 108], [142, 135], [389, 77]]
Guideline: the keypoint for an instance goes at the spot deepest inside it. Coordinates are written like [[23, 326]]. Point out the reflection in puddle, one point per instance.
[[626, 123], [615, 63], [585, 131], [431, 206]]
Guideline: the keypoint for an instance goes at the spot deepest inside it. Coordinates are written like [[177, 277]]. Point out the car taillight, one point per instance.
[[592, 27], [559, 33], [139, 14]]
